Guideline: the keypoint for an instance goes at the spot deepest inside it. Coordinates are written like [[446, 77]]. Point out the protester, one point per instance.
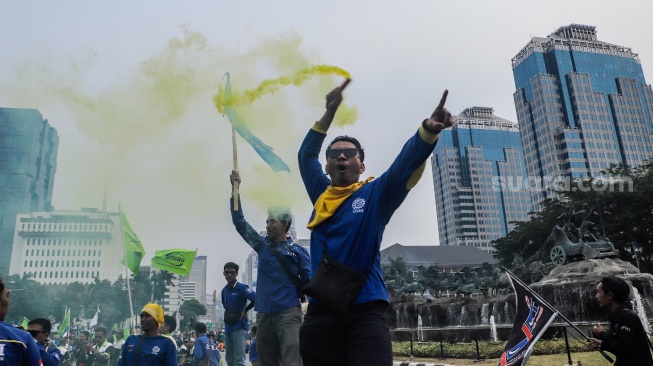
[[278, 309], [119, 335], [205, 352], [82, 340], [65, 351], [99, 353], [253, 355], [169, 325], [234, 300], [40, 328], [18, 347], [184, 352], [626, 337], [149, 348], [348, 223]]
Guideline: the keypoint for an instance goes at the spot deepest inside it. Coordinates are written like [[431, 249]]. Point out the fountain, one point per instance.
[[570, 288]]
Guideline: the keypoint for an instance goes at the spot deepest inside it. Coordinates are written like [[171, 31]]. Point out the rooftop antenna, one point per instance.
[[104, 201]]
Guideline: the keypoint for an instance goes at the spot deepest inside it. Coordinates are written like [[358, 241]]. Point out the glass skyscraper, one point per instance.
[[582, 105], [28, 162], [478, 170]]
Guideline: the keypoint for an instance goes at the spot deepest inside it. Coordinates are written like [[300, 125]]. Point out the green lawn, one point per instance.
[[586, 358]]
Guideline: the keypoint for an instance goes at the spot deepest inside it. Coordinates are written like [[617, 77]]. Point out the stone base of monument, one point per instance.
[[570, 288]]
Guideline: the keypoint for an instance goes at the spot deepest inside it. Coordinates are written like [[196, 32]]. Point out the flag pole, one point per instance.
[[235, 153], [124, 255], [537, 296]]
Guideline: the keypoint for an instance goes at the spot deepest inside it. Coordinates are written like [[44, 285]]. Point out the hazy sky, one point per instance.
[[129, 85]]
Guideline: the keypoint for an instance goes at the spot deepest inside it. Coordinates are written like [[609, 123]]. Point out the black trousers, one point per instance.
[[359, 338]]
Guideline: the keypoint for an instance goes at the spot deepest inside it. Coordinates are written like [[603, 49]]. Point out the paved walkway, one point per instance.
[[415, 363]]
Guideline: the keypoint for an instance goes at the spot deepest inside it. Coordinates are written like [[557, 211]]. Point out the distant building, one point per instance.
[[582, 105], [197, 278], [447, 258], [61, 247], [470, 162], [28, 162]]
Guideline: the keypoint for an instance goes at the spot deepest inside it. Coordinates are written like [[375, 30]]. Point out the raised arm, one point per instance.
[[246, 231]]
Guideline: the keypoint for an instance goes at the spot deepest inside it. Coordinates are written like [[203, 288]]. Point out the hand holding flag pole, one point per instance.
[[235, 183], [542, 301]]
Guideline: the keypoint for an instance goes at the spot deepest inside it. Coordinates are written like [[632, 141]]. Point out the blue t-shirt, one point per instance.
[[204, 347], [154, 351], [234, 299], [17, 347], [353, 234], [253, 355]]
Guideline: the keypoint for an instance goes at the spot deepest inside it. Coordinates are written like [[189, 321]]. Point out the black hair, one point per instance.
[[231, 265], [2, 285], [44, 323], [86, 333], [171, 322], [254, 329], [618, 287], [361, 152], [200, 328], [102, 330]]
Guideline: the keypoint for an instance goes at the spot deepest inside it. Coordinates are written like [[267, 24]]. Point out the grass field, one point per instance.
[[586, 359]]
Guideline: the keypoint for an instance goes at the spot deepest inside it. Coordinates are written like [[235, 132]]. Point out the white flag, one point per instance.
[[95, 318]]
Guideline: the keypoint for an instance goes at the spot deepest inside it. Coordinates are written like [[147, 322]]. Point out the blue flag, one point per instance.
[[264, 151]]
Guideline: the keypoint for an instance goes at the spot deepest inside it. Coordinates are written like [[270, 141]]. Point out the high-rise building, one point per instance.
[[582, 105], [477, 167], [61, 247], [197, 276], [28, 162]]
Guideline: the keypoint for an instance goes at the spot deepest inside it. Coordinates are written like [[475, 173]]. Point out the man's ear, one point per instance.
[[362, 168]]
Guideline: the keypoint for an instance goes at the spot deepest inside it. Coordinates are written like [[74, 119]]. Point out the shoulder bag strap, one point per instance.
[[138, 349], [285, 268]]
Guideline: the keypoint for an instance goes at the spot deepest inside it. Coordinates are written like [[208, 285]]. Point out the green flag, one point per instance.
[[177, 261], [133, 246], [24, 323], [64, 324]]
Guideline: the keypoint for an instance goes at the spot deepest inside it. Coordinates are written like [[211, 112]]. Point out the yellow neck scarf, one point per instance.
[[329, 201]]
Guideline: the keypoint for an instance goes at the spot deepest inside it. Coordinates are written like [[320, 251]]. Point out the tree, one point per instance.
[[160, 280], [190, 310]]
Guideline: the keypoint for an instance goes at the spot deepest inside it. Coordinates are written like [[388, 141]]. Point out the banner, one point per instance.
[[24, 323], [95, 318], [263, 150], [133, 247], [177, 261], [63, 328], [532, 317]]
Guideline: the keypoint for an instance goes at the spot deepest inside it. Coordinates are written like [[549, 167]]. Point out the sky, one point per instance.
[[129, 86]]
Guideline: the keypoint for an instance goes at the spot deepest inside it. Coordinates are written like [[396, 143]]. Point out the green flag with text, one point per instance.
[[133, 247], [177, 261]]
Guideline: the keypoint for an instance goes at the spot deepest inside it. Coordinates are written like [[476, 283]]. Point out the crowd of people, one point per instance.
[[347, 226]]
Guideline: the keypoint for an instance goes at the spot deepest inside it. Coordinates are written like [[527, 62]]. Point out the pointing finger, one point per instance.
[[443, 100]]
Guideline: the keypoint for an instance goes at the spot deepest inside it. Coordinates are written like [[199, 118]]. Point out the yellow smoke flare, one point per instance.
[[270, 86]]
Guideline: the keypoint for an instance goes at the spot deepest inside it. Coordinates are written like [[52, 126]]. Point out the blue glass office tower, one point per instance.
[[582, 105], [478, 174], [28, 161]]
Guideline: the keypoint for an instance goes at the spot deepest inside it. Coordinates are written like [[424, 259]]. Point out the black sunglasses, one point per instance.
[[229, 273], [334, 153], [35, 333]]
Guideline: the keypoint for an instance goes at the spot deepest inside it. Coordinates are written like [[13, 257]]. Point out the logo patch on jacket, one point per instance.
[[357, 205]]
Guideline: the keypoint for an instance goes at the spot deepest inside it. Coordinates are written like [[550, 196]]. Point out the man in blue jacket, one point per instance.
[[234, 300], [205, 352], [39, 328], [279, 315], [348, 221], [17, 347]]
